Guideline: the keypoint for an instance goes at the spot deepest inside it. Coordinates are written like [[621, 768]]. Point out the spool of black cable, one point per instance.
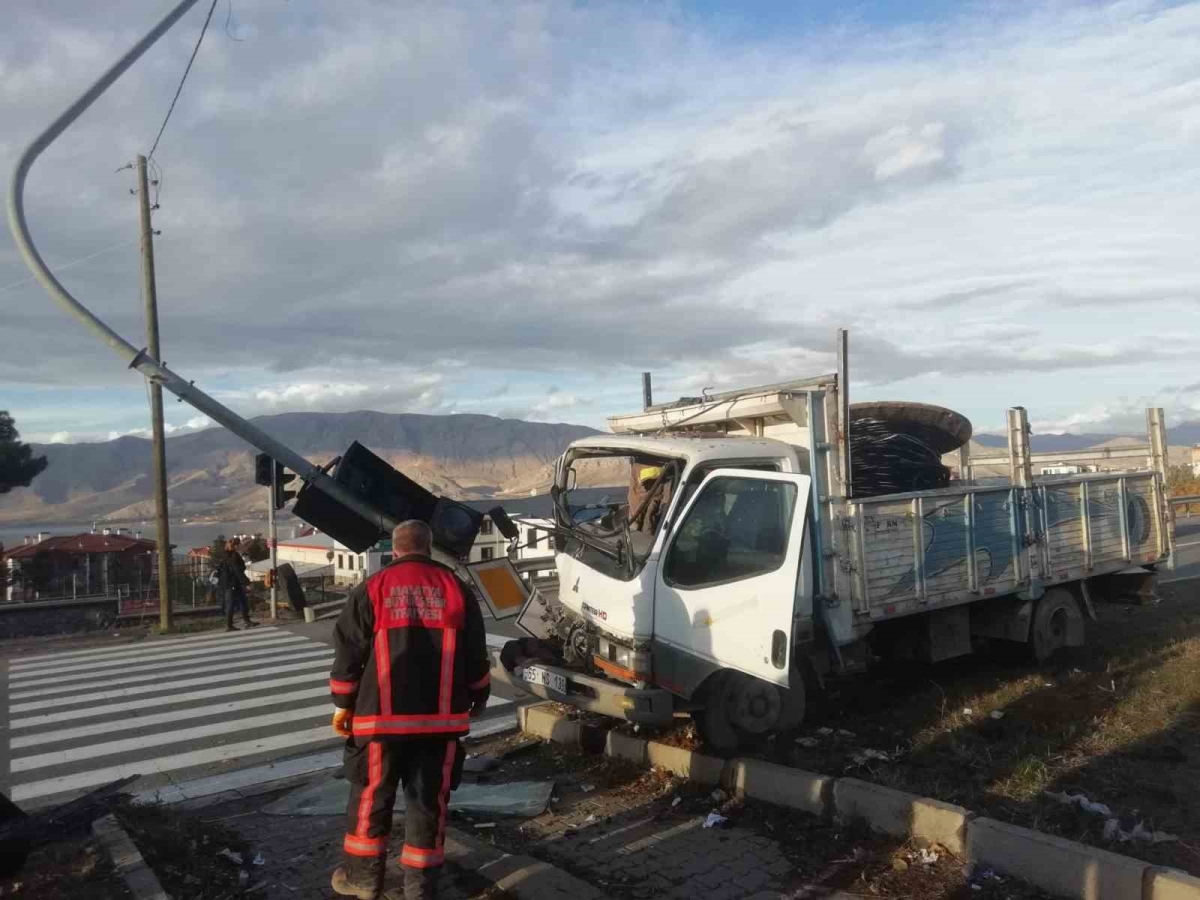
[[896, 448]]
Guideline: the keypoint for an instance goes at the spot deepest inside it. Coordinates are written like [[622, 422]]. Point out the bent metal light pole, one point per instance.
[[140, 359]]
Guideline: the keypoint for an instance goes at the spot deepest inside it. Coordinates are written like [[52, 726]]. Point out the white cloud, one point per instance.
[[1000, 205], [59, 437]]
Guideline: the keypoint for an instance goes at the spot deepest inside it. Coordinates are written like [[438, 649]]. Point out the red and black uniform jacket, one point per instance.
[[411, 653]]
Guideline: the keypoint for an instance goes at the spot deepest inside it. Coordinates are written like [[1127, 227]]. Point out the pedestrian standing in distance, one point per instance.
[[410, 669], [233, 584]]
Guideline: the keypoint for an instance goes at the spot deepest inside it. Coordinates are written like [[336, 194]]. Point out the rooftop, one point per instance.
[[83, 543]]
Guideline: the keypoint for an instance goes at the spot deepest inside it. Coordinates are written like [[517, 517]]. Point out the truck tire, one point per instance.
[[738, 709], [1057, 623]]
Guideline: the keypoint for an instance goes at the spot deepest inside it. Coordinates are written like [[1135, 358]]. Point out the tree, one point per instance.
[[18, 465], [216, 551], [257, 549]]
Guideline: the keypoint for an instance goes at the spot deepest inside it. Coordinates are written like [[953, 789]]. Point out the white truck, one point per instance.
[[749, 569]]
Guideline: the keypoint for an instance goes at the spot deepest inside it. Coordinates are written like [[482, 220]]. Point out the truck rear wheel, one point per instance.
[[738, 709], [1057, 623]]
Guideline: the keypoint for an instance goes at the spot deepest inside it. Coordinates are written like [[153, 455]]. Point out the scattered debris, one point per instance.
[[861, 757], [716, 820], [718, 796], [997, 714], [927, 857], [842, 732], [259, 860], [513, 798], [243, 878], [1113, 830], [967, 711], [808, 742], [826, 732], [1081, 801], [482, 825], [899, 864], [590, 819], [235, 858], [480, 764], [676, 801], [587, 788]]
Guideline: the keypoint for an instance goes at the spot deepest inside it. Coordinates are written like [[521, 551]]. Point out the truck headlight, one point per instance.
[[622, 662]]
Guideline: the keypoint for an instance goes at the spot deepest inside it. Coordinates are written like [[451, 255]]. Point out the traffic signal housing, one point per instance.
[[282, 496], [262, 469]]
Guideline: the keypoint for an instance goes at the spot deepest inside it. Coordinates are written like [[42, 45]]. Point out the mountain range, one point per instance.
[[468, 457], [211, 472]]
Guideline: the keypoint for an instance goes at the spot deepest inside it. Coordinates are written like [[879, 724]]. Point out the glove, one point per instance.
[[343, 719], [479, 701]]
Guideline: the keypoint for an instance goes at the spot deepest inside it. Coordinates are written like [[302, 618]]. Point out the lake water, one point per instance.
[[183, 535]]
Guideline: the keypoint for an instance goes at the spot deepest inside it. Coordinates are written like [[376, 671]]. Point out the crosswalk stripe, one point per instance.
[[135, 723], [498, 640], [93, 712], [242, 667], [493, 700], [137, 647], [82, 780], [108, 748], [209, 660], [161, 687]]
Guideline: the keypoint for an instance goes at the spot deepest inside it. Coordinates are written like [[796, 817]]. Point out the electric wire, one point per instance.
[[179, 89], [887, 461]]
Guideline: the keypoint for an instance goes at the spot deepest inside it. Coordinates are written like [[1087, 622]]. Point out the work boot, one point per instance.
[[359, 876], [421, 884]]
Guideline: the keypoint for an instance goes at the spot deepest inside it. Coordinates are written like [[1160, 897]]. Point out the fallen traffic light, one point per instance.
[[281, 496], [262, 469]]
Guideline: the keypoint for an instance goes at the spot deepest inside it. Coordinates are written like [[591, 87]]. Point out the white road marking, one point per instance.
[[83, 780], [493, 700], [242, 667], [128, 745], [498, 640], [208, 660], [133, 723], [232, 781], [148, 646], [167, 686], [93, 712], [1188, 544]]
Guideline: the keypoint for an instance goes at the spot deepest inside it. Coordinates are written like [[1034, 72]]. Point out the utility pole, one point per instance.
[[156, 406], [273, 540]]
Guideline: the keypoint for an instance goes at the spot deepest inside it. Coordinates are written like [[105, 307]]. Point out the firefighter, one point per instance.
[[411, 667]]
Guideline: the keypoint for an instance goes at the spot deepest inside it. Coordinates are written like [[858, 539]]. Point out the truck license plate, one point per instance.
[[552, 680]]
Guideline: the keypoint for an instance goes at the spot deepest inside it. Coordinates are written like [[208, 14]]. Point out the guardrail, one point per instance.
[[1186, 503]]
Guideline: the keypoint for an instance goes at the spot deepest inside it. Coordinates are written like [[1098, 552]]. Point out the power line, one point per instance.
[[179, 89], [74, 262]]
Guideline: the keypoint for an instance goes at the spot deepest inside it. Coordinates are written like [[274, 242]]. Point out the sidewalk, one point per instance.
[[632, 834]]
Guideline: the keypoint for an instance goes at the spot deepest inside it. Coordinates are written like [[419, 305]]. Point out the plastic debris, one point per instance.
[[1081, 801], [807, 742], [842, 732], [1113, 830], [718, 796], [587, 788], [967, 711], [927, 857], [590, 819], [485, 825], [900, 864], [825, 731], [235, 858], [997, 714], [259, 860], [715, 820], [243, 878], [676, 801]]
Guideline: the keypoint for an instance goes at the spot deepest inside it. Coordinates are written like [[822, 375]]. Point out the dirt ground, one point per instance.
[[67, 870], [1117, 722]]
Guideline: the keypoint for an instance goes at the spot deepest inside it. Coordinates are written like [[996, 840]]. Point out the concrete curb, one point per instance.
[[127, 860], [1054, 864], [522, 876]]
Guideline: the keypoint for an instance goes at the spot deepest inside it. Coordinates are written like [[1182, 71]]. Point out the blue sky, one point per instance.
[[516, 208]]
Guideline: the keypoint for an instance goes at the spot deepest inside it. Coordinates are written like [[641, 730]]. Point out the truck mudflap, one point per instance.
[[642, 706]]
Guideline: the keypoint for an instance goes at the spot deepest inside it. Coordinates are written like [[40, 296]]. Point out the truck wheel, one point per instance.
[[738, 708], [1057, 623]]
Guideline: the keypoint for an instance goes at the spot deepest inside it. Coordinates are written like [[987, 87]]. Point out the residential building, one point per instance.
[[110, 563]]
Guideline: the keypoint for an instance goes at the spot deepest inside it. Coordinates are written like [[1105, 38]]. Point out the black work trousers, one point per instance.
[[428, 768], [235, 600]]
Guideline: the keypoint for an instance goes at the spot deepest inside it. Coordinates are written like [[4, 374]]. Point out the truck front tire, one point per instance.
[[739, 709]]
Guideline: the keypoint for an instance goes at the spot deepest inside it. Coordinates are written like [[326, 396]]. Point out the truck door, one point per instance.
[[728, 579]]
